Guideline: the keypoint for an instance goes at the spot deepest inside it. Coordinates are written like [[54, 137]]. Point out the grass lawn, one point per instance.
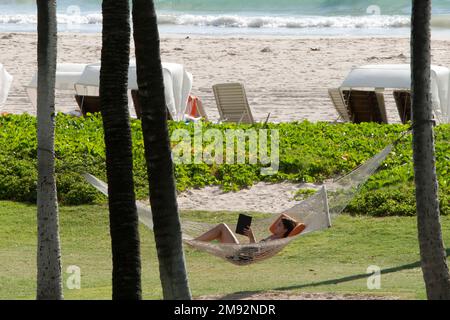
[[334, 260]]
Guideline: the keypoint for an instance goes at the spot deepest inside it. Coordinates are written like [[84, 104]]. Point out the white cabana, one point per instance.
[[398, 76], [5, 84], [67, 74], [177, 84]]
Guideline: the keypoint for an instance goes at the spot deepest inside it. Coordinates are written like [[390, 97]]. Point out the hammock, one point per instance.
[[315, 212]]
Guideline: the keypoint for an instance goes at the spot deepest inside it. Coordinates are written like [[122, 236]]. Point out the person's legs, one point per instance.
[[220, 232]]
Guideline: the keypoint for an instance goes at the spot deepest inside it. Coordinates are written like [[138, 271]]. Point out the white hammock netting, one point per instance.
[[315, 212]]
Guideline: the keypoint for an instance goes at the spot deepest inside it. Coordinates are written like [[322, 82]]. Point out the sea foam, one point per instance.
[[237, 21]]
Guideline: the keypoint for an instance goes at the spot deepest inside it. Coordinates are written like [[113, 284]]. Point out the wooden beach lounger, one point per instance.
[[92, 104], [137, 105], [232, 103], [403, 102], [87, 104], [365, 106]]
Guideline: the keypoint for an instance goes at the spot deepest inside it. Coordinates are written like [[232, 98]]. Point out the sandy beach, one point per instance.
[[285, 76]]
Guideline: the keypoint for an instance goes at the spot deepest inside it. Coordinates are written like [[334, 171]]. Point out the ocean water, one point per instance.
[[238, 17]]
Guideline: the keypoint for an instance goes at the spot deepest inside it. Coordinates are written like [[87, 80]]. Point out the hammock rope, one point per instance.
[[316, 212]]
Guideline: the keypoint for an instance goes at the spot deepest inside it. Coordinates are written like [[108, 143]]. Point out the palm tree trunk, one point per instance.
[[432, 251], [126, 277], [49, 281], [163, 199]]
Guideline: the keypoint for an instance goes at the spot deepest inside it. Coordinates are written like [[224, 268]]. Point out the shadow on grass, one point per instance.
[[246, 294]]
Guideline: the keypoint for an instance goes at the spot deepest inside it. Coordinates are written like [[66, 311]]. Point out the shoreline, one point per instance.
[[234, 36]]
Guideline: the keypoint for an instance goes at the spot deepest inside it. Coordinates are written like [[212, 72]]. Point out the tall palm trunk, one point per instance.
[[126, 277], [163, 199], [49, 282], [432, 251]]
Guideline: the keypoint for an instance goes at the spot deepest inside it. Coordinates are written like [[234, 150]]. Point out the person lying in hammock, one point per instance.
[[222, 232]]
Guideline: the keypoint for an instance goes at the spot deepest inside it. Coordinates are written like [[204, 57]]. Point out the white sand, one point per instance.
[[262, 197], [288, 77]]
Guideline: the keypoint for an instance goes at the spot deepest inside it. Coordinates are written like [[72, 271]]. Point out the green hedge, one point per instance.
[[309, 152]]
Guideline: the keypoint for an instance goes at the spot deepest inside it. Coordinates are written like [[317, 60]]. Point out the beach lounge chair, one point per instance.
[[232, 103], [195, 109], [339, 103], [365, 106], [5, 84], [403, 102], [137, 105], [87, 104]]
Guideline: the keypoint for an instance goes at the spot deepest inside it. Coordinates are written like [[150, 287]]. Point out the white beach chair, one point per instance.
[[5, 84], [339, 103], [232, 103]]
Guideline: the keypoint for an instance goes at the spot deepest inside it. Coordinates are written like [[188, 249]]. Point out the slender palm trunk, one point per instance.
[[432, 251], [49, 282], [163, 199], [126, 278]]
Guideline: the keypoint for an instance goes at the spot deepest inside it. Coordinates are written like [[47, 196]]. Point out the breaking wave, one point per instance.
[[239, 21]]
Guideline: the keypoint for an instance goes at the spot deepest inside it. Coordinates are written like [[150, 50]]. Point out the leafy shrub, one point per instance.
[[302, 194], [389, 201], [309, 152]]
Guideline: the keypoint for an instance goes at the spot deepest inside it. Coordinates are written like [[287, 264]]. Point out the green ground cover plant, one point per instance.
[[309, 152]]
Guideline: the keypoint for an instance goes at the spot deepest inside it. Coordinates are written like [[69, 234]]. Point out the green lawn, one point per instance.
[[334, 260]]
